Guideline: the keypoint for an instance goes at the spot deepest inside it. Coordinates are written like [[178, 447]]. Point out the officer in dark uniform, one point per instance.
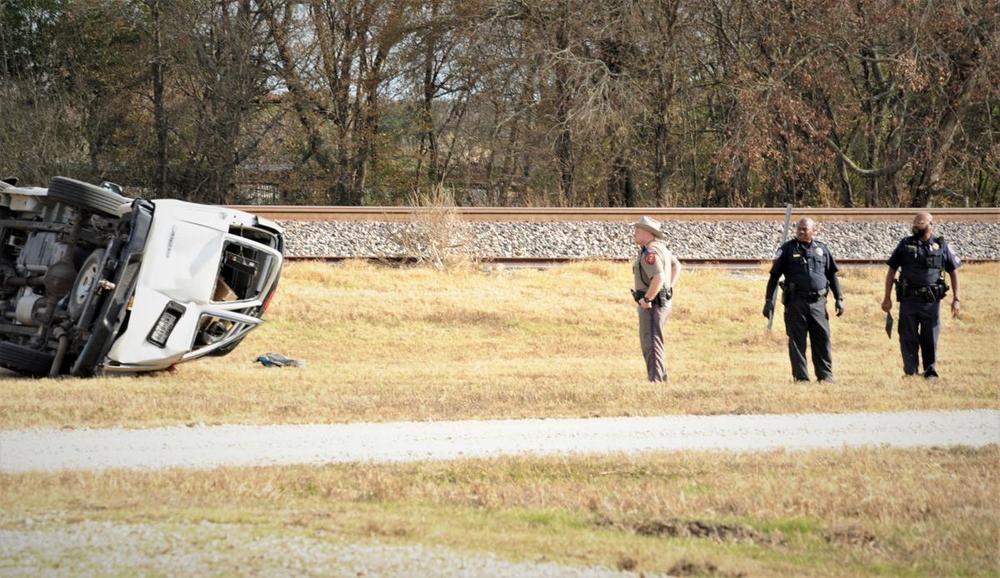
[[922, 260], [810, 272]]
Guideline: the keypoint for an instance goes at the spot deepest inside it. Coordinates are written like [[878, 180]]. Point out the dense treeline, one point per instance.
[[509, 102]]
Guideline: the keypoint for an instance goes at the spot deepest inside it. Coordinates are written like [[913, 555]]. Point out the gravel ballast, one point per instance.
[[861, 240], [92, 548], [246, 445]]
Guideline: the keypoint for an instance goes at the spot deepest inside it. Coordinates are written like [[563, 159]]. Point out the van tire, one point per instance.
[[86, 196], [25, 360]]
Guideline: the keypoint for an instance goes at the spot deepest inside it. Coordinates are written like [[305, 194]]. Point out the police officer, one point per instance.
[[922, 259], [655, 270], [810, 272]]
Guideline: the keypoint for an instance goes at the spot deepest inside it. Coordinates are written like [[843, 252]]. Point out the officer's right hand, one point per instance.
[[887, 305], [768, 309]]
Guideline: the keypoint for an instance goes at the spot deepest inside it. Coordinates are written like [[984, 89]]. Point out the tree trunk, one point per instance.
[[564, 142], [662, 162], [159, 108]]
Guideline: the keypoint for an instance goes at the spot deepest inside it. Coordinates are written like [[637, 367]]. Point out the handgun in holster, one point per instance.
[[941, 289]]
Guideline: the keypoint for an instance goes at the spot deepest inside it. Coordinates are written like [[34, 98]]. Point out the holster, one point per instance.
[[787, 290], [941, 289]]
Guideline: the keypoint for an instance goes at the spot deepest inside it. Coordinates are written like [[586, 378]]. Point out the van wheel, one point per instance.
[[86, 280], [25, 360], [86, 196]]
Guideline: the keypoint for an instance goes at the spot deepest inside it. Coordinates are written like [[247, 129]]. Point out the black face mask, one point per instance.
[[920, 232]]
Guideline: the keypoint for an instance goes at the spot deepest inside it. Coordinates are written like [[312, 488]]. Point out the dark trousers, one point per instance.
[[919, 327], [651, 322], [802, 319]]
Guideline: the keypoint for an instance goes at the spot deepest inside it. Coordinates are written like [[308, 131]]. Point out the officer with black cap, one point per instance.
[[922, 260], [810, 272]]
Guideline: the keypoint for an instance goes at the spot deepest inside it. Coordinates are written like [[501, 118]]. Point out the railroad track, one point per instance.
[[546, 262], [554, 214], [502, 214]]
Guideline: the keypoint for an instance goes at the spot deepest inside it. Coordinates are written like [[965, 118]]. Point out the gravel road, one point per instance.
[[153, 549], [245, 445]]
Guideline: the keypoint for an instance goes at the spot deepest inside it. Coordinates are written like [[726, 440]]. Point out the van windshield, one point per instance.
[[243, 273]]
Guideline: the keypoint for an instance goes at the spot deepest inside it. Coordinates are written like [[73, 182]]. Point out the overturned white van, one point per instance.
[[94, 282]]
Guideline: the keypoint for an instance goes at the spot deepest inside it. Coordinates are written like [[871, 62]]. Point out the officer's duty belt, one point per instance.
[[927, 293], [665, 294], [811, 296]]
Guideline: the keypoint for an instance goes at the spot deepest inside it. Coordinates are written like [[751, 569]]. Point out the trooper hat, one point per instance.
[[651, 225]]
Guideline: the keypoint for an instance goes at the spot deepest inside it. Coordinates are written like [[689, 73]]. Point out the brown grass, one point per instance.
[[386, 343], [929, 512]]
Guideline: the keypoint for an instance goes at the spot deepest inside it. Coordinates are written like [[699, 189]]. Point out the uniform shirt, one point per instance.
[[921, 262], [652, 260], [810, 266]]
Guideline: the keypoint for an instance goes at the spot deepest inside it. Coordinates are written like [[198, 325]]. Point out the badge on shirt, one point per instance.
[[935, 246], [650, 258], [819, 252]]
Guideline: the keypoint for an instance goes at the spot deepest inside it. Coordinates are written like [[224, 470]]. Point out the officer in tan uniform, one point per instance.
[[655, 270]]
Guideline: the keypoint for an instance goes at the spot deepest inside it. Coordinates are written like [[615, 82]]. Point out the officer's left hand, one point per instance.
[[955, 307], [839, 307]]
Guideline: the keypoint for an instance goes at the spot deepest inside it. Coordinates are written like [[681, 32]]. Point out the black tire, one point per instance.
[[86, 196], [25, 360], [85, 282], [226, 349]]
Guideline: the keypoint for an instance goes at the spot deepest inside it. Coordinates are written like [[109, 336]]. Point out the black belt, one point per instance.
[[661, 298], [927, 293], [810, 296]]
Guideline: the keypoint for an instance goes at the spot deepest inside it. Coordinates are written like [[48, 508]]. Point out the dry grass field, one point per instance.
[[859, 512], [384, 343]]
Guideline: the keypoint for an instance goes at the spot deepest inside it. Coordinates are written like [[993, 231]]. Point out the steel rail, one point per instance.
[[499, 214]]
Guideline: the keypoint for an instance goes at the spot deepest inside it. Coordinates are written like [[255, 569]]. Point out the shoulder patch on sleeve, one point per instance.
[[777, 254], [650, 258], [951, 255]]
